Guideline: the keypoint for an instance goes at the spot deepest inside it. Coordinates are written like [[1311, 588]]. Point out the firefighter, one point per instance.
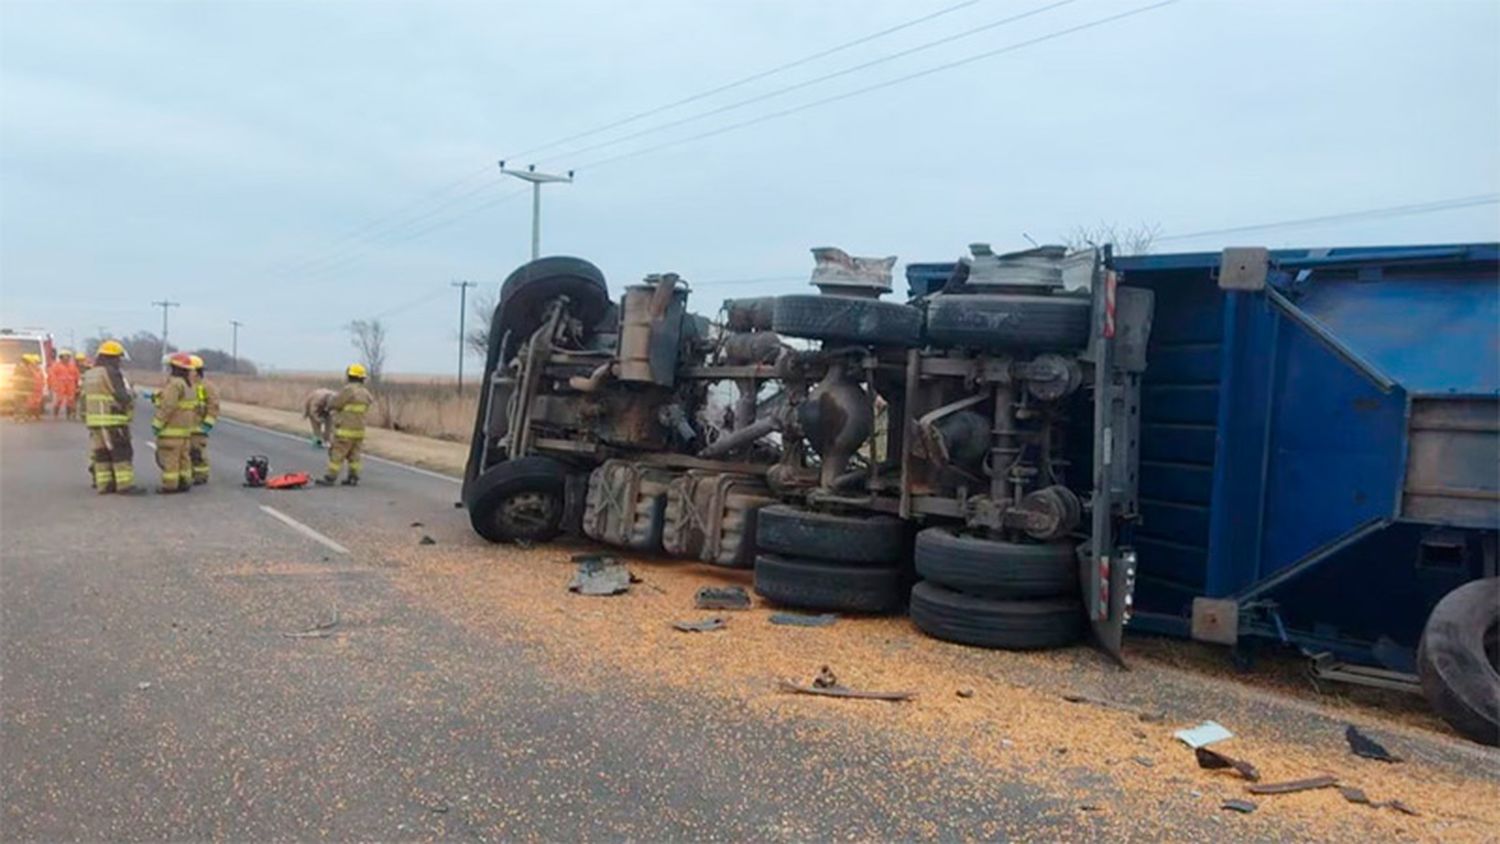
[[62, 377], [207, 396], [349, 408], [30, 387], [175, 420], [108, 404]]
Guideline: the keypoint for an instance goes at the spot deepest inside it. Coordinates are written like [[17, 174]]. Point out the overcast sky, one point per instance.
[[276, 162]]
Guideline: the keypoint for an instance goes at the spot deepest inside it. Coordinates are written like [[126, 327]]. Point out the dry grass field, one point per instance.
[[424, 405]]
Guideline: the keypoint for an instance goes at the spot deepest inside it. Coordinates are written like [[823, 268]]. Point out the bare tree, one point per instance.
[[478, 338], [1128, 240], [368, 338]]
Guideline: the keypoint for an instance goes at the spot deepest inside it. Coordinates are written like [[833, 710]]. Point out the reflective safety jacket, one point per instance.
[[207, 405], [349, 408], [176, 410], [107, 400]]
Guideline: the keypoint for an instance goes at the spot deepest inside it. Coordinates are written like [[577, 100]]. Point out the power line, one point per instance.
[[346, 262], [399, 237], [817, 80], [1347, 216], [1051, 36], [745, 80], [387, 230], [378, 221], [420, 300]]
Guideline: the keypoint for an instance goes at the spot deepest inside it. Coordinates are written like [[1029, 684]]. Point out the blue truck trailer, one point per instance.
[[1320, 461]]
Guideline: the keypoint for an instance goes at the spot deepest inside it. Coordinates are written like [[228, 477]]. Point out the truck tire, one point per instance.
[[847, 319], [519, 499], [1458, 660], [860, 540], [526, 291], [1011, 321], [820, 585], [990, 623], [993, 569]]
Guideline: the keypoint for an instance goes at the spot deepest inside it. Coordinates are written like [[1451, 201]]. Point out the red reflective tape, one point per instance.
[[1110, 280]]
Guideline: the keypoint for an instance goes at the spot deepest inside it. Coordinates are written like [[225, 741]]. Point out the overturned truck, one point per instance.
[[970, 453]]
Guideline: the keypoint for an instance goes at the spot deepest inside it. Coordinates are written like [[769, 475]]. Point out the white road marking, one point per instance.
[[293, 437], [303, 529]]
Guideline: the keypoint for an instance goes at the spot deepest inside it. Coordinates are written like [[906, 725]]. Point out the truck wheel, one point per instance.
[[526, 291], [990, 623], [819, 585], [519, 499], [868, 540], [1008, 321], [1459, 660], [847, 319], [993, 569]]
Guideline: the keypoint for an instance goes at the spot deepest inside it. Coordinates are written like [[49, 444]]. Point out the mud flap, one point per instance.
[[1108, 571]]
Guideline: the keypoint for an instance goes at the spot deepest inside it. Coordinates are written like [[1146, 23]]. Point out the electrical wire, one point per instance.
[[391, 223], [818, 80], [1350, 216], [392, 228], [421, 300], [745, 80], [1051, 36], [379, 220]]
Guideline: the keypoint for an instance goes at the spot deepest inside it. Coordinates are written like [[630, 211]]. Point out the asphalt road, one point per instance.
[[149, 691]]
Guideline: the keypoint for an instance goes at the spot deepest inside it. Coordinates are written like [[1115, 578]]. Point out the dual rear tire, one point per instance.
[[995, 594], [826, 561]]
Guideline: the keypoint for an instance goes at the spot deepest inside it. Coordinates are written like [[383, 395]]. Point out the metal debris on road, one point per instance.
[[844, 692], [1354, 795], [1213, 760], [319, 630], [1244, 807], [426, 540], [1293, 786], [600, 575], [797, 619], [704, 626], [722, 598], [1203, 735], [1364, 746], [1144, 715]]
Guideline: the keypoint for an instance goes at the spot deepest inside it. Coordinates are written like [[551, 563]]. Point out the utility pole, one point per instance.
[[537, 180], [164, 304], [234, 346], [463, 301]]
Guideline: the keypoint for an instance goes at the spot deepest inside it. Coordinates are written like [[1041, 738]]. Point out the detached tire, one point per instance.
[[847, 319], [819, 585], [990, 623], [1008, 322], [1459, 660], [868, 540], [519, 499], [993, 569]]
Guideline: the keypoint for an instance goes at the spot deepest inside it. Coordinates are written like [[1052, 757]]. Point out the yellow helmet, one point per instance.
[[356, 370], [110, 347], [196, 361], [31, 357]]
